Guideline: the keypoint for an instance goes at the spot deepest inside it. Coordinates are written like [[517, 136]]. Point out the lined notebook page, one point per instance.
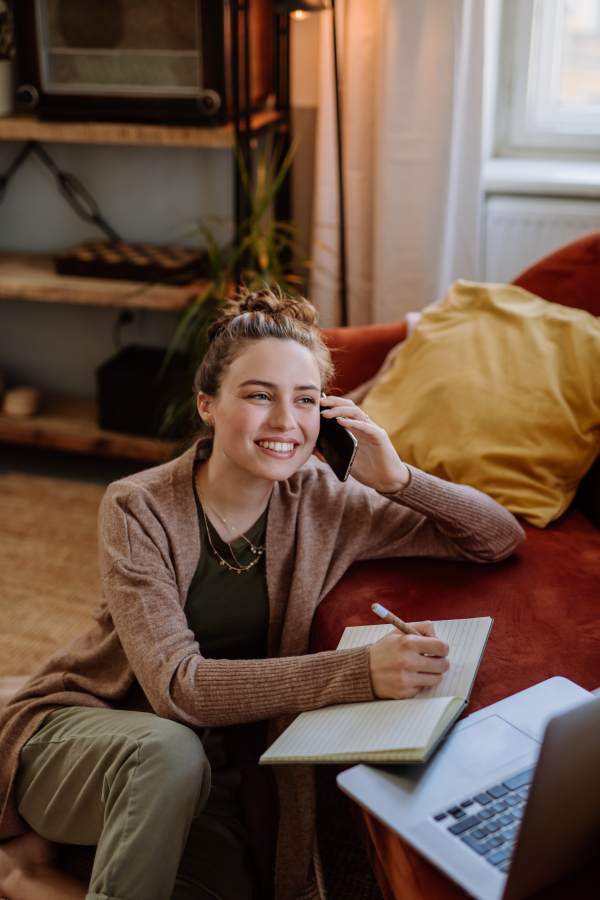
[[351, 729], [466, 638]]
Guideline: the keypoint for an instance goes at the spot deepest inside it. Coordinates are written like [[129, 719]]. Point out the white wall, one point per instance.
[[145, 193], [304, 62], [304, 93]]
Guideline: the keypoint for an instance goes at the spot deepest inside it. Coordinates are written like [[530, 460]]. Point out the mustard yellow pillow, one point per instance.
[[498, 389]]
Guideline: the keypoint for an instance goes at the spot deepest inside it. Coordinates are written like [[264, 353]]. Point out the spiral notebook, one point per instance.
[[388, 731]]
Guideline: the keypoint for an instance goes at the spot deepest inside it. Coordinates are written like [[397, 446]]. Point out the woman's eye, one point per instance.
[[259, 397], [307, 400]]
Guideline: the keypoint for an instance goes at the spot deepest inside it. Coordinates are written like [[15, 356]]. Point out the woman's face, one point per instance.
[[266, 416]]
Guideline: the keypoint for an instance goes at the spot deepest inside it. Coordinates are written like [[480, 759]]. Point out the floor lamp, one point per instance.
[[289, 6]]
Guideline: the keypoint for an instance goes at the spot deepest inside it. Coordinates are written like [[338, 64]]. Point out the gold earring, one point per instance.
[[208, 423]]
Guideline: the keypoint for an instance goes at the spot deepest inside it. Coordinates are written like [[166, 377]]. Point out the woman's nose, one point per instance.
[[282, 417]]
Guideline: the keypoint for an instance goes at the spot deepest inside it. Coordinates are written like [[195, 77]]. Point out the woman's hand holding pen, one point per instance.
[[402, 664], [377, 465]]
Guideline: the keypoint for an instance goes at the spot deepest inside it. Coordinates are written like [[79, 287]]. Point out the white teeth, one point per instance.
[[276, 445]]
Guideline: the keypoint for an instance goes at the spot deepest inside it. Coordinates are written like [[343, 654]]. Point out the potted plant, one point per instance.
[[6, 58]]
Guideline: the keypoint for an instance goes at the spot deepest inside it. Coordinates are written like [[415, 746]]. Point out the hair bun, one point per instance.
[[264, 304]]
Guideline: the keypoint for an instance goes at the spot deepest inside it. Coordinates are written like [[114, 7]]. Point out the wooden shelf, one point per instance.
[[65, 424], [31, 276], [27, 128], [68, 424]]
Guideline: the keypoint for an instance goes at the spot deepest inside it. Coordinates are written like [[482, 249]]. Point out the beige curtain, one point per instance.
[[412, 120]]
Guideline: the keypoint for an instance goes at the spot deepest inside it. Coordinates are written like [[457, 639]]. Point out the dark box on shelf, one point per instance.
[[132, 262], [132, 398]]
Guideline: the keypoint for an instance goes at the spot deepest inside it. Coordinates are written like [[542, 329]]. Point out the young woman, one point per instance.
[[142, 736]]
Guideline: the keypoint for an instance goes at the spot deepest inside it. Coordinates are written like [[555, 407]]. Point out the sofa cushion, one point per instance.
[[500, 390], [544, 601]]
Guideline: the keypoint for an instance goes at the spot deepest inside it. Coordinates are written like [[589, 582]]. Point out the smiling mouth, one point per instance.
[[277, 446]]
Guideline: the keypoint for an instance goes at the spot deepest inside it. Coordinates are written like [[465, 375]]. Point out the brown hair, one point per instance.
[[254, 316]]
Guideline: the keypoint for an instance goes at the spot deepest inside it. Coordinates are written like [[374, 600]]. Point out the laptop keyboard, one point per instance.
[[489, 822]]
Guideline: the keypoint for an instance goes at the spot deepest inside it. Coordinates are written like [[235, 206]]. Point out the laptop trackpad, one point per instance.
[[486, 746]]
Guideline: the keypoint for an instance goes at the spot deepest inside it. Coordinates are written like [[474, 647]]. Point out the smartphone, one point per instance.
[[337, 445]]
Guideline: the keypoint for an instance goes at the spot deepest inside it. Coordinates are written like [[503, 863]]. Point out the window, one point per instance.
[[549, 79]]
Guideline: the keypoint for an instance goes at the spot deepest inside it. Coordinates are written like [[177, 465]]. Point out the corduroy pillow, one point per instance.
[[500, 390]]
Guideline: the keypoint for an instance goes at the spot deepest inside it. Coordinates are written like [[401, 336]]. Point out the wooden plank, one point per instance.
[[67, 424], [27, 128], [31, 276]]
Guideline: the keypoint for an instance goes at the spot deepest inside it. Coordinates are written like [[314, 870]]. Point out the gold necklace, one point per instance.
[[231, 527], [258, 551]]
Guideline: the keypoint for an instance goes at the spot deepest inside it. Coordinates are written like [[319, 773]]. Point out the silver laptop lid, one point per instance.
[[561, 827]]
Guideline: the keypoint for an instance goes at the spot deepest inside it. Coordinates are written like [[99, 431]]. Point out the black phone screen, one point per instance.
[[337, 445]]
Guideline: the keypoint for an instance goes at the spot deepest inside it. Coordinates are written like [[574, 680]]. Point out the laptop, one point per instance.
[[510, 802]]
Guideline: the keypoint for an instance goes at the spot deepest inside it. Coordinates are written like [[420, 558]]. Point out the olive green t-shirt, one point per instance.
[[229, 613]]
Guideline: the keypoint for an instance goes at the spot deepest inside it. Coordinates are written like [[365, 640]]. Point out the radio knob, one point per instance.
[[208, 102], [27, 96]]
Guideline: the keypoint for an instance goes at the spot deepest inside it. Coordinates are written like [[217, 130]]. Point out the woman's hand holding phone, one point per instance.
[[402, 664], [376, 465]]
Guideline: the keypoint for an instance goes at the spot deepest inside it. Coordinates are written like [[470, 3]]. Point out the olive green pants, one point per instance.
[[138, 787]]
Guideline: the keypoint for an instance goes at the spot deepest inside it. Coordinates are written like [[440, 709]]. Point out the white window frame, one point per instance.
[[526, 126]]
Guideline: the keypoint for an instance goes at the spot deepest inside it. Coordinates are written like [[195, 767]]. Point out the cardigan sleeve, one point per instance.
[[475, 524], [143, 600], [432, 518]]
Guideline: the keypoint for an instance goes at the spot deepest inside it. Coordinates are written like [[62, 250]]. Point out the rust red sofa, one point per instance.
[[545, 600]]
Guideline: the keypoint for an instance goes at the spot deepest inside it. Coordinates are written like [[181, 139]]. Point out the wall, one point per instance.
[[145, 193], [304, 87]]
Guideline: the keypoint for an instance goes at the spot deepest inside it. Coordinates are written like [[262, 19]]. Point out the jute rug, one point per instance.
[[49, 583], [48, 566]]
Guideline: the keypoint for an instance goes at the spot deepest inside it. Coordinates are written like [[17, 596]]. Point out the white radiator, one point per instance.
[[521, 230]]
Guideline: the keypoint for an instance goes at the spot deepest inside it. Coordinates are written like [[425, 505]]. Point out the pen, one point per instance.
[[391, 619]]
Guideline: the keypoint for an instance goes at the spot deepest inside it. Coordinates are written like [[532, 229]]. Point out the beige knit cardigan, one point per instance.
[[140, 654]]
